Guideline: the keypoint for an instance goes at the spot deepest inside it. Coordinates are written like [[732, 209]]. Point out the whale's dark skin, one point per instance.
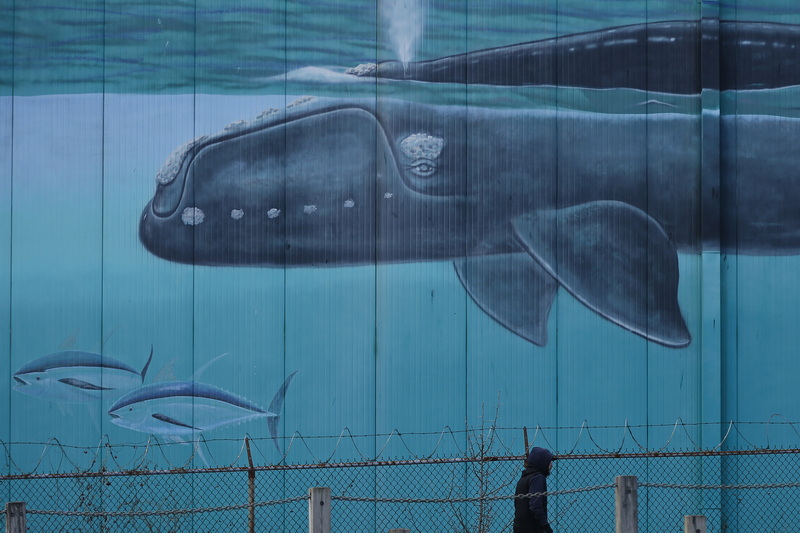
[[662, 57], [522, 201]]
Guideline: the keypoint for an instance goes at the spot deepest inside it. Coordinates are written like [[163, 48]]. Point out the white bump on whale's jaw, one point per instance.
[[172, 165], [169, 170]]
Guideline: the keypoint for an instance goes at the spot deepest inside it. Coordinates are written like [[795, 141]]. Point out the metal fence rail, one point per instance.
[[736, 490]]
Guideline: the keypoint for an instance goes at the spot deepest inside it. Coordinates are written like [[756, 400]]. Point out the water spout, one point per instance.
[[404, 22]]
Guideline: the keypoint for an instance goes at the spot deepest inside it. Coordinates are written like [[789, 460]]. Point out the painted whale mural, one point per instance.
[[408, 182], [179, 409], [77, 377], [659, 56], [522, 201]]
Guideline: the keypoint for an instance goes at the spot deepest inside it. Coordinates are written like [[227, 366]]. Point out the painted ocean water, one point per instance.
[[95, 96]]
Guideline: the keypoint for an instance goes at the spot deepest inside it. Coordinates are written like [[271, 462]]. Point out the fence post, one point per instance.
[[627, 504], [319, 510], [251, 489], [694, 524], [15, 517]]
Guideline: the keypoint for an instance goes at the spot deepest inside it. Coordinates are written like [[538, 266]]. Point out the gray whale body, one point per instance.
[[521, 201], [668, 57]]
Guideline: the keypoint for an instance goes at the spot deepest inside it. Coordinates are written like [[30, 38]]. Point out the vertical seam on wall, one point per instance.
[[736, 132], [194, 263], [557, 195], [467, 228], [285, 226], [376, 230], [102, 228], [285, 199], [377, 237], [102, 201], [647, 246], [11, 225]]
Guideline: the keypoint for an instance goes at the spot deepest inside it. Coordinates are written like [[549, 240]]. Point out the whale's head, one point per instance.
[[322, 182]]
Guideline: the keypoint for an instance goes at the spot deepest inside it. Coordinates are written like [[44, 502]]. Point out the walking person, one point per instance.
[[530, 514]]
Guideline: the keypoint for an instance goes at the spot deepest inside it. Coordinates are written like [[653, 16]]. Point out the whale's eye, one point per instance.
[[38, 378], [423, 167]]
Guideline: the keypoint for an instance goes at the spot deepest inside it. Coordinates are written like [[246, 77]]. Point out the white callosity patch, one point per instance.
[[173, 163], [237, 214], [387, 195], [422, 151], [422, 146], [617, 42], [267, 112], [364, 69], [309, 209], [192, 216], [300, 101], [236, 125], [273, 213], [349, 202], [661, 39]]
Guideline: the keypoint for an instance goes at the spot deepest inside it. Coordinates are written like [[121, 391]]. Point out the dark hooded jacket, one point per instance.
[[530, 514]]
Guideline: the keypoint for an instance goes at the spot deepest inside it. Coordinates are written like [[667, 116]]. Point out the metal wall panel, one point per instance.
[[56, 237], [403, 292]]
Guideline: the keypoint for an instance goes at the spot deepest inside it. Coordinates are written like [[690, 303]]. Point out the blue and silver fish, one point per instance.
[[187, 408], [77, 377]]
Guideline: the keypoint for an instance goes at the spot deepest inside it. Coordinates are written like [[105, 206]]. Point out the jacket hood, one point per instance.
[[539, 459]]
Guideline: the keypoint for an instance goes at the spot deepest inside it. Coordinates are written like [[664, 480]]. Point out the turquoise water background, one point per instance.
[[249, 47], [96, 95]]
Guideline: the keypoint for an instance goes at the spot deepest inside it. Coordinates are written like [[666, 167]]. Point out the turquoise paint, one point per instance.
[[5, 263], [398, 347], [188, 311]]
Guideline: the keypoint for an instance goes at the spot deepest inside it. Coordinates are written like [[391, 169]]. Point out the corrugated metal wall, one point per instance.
[[96, 95]]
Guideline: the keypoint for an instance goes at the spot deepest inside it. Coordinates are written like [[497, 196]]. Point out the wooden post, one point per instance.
[[15, 517], [319, 510], [694, 524], [525, 436], [251, 489], [627, 504]]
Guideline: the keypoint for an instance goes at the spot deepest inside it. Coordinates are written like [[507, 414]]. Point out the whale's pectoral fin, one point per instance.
[[511, 288], [615, 259]]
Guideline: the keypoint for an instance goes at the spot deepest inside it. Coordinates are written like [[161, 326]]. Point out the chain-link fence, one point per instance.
[[755, 490]]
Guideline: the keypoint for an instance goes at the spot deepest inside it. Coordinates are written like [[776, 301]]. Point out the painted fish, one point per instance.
[[77, 377], [188, 408]]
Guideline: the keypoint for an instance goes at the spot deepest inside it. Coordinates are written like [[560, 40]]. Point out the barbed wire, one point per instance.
[[719, 487], [61, 457], [171, 512], [367, 499], [393, 462]]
